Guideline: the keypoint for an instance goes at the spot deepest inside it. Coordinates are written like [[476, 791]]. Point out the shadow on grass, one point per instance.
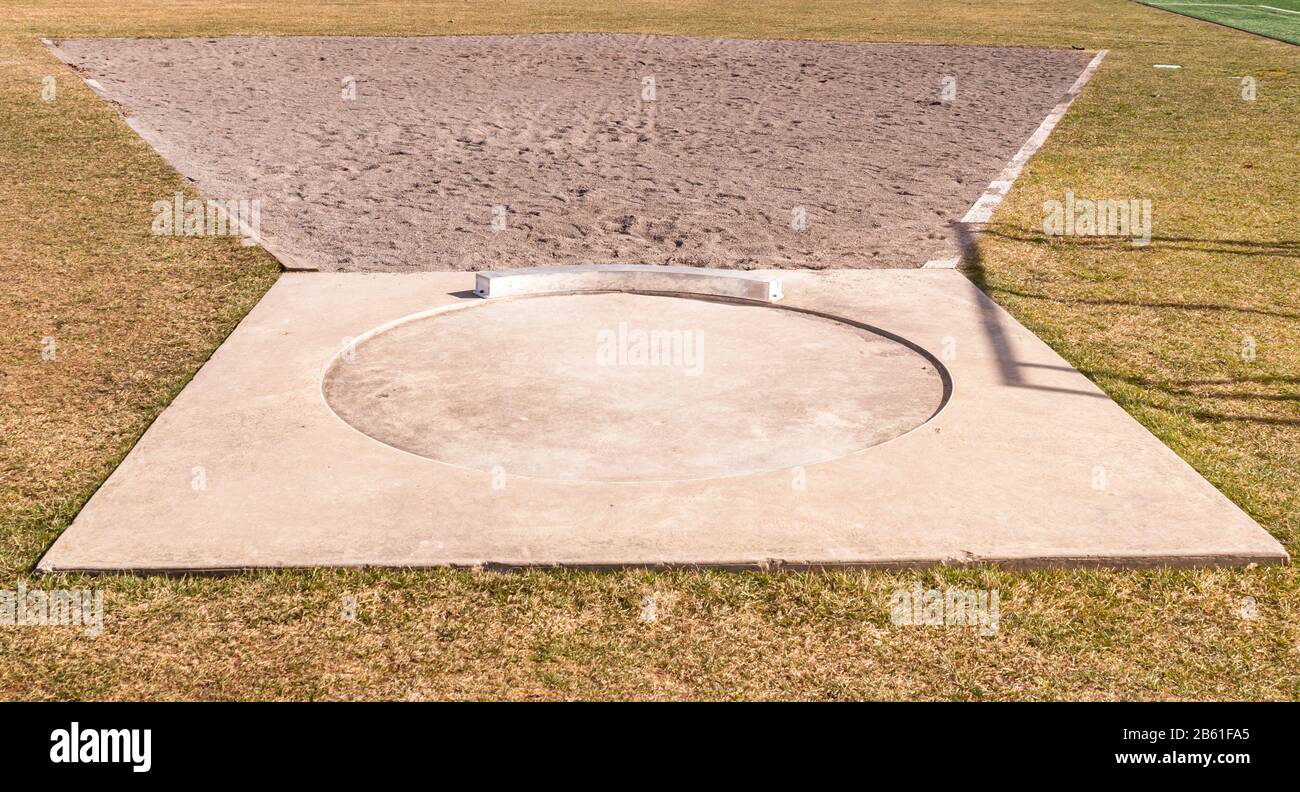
[[1237, 247], [972, 265], [1188, 388]]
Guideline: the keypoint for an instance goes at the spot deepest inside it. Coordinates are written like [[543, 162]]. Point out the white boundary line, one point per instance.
[[288, 262], [1160, 4], [982, 209]]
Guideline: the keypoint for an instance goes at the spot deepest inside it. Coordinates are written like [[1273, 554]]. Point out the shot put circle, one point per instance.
[[626, 387]]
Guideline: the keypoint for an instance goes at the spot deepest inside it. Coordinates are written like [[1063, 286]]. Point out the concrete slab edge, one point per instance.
[[757, 565]]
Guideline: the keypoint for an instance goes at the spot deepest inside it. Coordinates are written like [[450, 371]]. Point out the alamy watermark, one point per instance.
[[180, 217], [1098, 217], [95, 746], [1249, 89], [634, 346], [949, 607], [948, 89], [53, 608]]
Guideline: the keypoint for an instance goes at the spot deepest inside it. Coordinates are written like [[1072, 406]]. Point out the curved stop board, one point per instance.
[[629, 277]]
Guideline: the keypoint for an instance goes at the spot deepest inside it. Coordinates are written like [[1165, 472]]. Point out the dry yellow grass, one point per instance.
[[1160, 328]]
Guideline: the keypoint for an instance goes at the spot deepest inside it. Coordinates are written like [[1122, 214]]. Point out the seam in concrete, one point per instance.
[[983, 208], [249, 237]]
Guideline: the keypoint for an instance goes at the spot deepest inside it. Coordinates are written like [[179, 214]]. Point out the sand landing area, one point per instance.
[[493, 152]]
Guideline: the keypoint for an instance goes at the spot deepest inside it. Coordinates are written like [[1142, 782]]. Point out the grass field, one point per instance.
[[1279, 19], [1161, 328]]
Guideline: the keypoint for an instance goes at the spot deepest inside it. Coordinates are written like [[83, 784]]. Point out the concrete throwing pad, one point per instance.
[[479, 152], [631, 387], [1027, 463]]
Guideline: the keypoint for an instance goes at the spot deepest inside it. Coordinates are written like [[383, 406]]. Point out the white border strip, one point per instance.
[[248, 237], [982, 209]]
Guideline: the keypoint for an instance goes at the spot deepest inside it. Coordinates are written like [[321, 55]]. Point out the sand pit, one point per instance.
[[601, 148]]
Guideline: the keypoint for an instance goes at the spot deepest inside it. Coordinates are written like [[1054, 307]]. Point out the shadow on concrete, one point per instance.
[[1010, 369]]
